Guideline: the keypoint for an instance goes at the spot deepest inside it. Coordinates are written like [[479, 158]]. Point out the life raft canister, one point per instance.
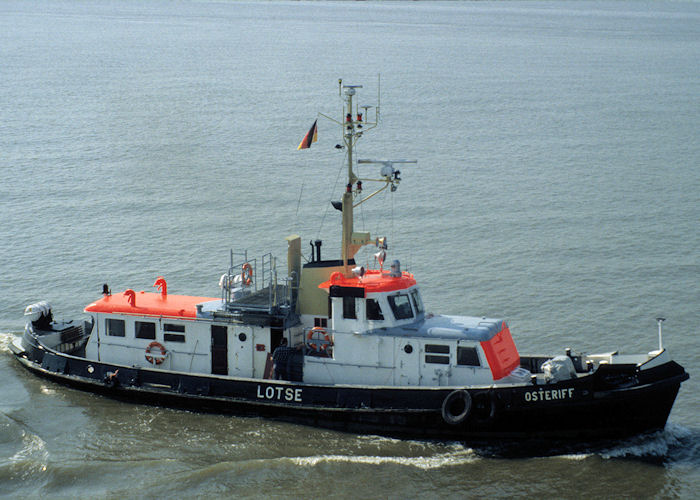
[[456, 407], [155, 360], [315, 342]]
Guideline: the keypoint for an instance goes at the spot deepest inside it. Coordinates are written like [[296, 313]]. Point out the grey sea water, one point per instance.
[[557, 186]]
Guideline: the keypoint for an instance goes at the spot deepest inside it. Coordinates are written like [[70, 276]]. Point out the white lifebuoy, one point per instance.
[[247, 274], [155, 360], [314, 339]]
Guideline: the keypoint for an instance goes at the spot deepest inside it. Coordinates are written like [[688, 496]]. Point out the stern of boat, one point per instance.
[[42, 332]]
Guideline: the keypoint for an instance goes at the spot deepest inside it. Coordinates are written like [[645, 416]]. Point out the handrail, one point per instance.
[[264, 278]]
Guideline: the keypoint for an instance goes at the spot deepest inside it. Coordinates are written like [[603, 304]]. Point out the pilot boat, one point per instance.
[[332, 344]]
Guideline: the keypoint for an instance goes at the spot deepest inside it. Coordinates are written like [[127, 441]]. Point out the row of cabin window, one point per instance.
[[440, 354], [400, 306], [146, 330]]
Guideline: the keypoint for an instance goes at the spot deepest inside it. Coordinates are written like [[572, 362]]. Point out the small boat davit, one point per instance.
[[334, 344]]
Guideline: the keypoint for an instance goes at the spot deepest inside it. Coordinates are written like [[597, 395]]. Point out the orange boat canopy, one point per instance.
[[372, 281], [149, 304]]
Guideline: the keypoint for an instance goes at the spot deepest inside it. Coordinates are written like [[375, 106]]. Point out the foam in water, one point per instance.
[[449, 459], [675, 443]]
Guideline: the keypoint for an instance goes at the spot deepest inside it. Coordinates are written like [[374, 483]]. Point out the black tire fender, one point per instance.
[[462, 401], [484, 406]]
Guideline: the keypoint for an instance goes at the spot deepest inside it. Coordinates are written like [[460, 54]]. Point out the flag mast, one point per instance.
[[349, 135], [352, 129]]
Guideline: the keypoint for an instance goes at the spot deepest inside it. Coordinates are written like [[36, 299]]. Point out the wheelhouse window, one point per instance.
[[115, 327], [145, 330], [437, 348], [400, 306], [467, 356], [173, 337], [170, 327], [374, 312], [417, 302], [349, 308], [437, 353], [440, 360]]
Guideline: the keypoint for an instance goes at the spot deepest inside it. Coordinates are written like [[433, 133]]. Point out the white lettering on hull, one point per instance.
[[279, 393], [549, 394]]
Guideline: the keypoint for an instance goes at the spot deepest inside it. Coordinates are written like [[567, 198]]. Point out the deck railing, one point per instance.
[[249, 287]]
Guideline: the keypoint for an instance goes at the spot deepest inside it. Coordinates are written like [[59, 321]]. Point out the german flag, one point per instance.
[[310, 137]]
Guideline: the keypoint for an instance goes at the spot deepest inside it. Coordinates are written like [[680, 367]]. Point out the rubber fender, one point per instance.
[[456, 407]]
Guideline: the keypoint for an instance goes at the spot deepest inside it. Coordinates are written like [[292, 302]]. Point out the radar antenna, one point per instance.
[[354, 124]]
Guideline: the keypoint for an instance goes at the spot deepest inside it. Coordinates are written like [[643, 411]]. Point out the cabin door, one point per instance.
[[219, 350], [407, 363]]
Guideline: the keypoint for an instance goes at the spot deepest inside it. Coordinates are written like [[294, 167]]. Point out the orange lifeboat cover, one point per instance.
[[149, 304], [373, 281]]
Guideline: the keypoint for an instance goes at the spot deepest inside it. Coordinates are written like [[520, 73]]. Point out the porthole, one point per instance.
[[90, 369], [408, 348], [242, 337]]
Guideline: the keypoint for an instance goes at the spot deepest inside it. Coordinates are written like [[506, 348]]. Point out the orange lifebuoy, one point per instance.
[[247, 274], [155, 359], [315, 343]]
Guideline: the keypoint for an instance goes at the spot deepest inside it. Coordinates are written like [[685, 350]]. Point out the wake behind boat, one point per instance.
[[333, 344]]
